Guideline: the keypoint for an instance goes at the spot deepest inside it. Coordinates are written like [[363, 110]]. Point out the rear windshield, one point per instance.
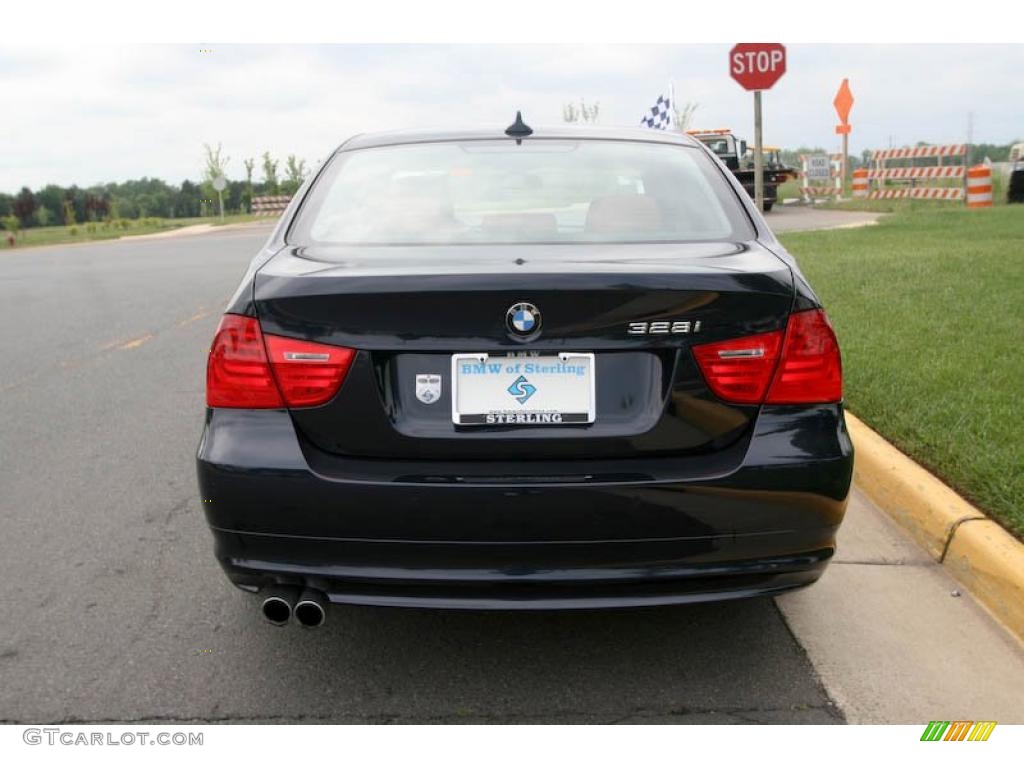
[[540, 191]]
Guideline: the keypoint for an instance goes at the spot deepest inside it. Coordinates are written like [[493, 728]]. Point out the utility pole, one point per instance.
[[758, 159], [970, 135]]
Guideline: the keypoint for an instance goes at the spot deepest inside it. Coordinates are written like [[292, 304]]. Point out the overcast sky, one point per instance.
[[108, 114]]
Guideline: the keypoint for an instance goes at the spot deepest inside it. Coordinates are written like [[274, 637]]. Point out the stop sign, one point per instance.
[[757, 66]]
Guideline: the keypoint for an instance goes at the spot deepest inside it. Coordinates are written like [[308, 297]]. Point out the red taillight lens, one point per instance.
[[801, 366], [308, 373], [238, 373], [248, 369], [739, 370], [811, 370]]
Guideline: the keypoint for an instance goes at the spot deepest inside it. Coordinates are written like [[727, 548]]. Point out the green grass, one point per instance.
[[788, 190], [893, 206], [929, 309], [101, 230]]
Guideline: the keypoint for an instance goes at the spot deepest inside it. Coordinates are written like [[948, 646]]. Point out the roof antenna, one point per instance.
[[519, 129]]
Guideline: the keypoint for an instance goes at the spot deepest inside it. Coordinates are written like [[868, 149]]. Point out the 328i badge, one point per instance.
[[392, 421]]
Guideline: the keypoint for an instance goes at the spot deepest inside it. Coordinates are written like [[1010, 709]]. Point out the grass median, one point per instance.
[[111, 230], [929, 309]]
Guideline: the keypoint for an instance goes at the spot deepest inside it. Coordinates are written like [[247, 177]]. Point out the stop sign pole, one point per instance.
[[757, 67], [758, 155]]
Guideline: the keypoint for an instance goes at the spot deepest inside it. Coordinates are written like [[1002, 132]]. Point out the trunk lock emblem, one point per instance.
[[523, 320]]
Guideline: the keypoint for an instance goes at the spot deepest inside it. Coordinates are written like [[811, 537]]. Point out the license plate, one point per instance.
[[499, 390]]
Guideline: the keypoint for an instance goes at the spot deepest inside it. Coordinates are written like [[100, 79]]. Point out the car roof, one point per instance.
[[570, 131]]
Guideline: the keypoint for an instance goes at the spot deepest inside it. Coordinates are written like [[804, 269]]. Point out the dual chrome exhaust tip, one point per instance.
[[308, 607]]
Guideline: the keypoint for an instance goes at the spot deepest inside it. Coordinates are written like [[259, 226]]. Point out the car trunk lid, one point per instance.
[[636, 308]]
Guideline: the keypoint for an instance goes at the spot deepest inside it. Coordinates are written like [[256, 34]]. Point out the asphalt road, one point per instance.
[[791, 218], [114, 609]]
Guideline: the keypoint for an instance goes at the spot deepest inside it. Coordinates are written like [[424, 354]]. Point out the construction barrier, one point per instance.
[[919, 193], [907, 177], [833, 186], [928, 150], [270, 205], [860, 182], [979, 187]]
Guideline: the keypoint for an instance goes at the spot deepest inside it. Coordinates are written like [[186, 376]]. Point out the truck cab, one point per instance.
[[723, 143], [734, 153], [1015, 189]]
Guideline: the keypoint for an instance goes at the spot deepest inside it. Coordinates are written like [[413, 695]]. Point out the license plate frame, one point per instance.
[[509, 410]]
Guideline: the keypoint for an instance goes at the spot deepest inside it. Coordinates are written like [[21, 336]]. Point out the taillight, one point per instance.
[[800, 366], [811, 370], [308, 373], [238, 373], [248, 369], [739, 370]]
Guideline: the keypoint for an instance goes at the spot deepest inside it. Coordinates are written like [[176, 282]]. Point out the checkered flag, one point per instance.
[[659, 116]]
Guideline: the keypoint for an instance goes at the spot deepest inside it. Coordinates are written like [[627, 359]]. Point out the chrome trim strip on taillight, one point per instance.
[[725, 353], [306, 356]]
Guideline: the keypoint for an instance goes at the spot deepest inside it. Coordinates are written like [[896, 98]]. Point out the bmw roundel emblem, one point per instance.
[[523, 319]]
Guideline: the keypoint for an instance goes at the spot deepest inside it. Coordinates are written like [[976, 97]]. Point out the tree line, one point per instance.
[[55, 205]]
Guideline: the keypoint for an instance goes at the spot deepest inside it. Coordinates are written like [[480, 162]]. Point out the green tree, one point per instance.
[[215, 163], [76, 195], [97, 204], [51, 198], [186, 200], [295, 173], [235, 196], [581, 113], [682, 117], [215, 169], [249, 163], [24, 206], [791, 157], [270, 174], [997, 153]]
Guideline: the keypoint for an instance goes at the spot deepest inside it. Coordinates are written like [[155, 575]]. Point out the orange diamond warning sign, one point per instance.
[[843, 102]]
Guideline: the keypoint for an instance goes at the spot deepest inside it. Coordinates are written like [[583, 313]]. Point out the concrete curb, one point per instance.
[[977, 551]]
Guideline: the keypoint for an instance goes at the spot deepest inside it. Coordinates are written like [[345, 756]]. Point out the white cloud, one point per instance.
[[98, 114]]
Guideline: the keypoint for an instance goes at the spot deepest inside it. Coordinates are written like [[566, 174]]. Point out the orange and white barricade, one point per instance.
[[860, 182], [906, 178], [979, 187], [270, 205]]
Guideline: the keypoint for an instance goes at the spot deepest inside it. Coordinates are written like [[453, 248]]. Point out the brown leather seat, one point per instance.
[[530, 225], [623, 214]]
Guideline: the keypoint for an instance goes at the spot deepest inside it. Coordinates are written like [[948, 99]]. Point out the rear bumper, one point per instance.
[[760, 518]]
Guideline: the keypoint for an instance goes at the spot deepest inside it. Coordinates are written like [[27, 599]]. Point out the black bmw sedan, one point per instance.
[[497, 369]]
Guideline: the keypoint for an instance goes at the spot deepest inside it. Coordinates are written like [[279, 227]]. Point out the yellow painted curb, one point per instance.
[[918, 501], [978, 552], [990, 563]]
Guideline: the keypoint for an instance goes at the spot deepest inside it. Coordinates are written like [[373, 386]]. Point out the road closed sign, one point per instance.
[[757, 66], [817, 167]]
